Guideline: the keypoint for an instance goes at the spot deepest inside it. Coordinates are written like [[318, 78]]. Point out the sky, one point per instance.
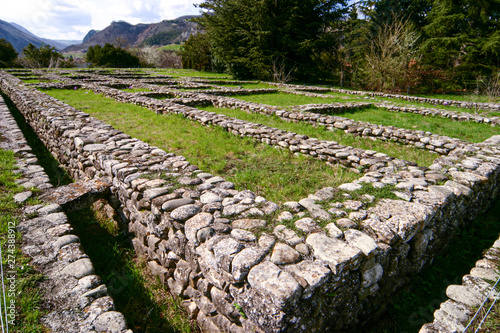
[[71, 20]]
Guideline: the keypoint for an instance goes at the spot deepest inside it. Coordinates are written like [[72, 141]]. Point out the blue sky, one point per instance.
[[69, 19]]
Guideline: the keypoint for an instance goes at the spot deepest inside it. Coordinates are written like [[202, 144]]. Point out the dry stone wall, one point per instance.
[[76, 298], [462, 104], [229, 254], [456, 313], [421, 139]]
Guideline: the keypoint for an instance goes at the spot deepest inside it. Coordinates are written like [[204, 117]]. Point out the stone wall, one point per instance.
[[75, 298], [462, 104], [317, 148], [239, 261]]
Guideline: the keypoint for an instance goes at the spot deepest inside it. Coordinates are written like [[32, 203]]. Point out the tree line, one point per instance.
[[408, 46], [383, 45]]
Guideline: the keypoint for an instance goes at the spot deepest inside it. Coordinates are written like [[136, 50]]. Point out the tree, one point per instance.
[[462, 37], [196, 52], [7, 53], [382, 12], [45, 56], [390, 59], [111, 56], [249, 36]]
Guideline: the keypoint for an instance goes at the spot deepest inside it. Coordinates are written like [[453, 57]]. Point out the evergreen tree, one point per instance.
[[45, 56], [463, 37], [196, 52], [111, 56], [253, 37], [7, 53], [383, 12]]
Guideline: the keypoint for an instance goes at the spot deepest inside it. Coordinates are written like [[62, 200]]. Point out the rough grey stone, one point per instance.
[[196, 223], [65, 240], [283, 289], [249, 224], [22, 197], [306, 224], [111, 321], [184, 212], [362, 241], [338, 254], [462, 294], [284, 255], [243, 235], [79, 268], [176, 203], [245, 260]]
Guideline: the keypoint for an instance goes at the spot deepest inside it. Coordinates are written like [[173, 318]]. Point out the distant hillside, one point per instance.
[[20, 37], [125, 34]]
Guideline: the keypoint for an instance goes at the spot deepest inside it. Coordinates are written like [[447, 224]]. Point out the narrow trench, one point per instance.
[[414, 306], [110, 251], [144, 302], [57, 175]]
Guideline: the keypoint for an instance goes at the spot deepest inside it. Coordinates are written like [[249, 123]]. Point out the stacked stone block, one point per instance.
[[225, 251]]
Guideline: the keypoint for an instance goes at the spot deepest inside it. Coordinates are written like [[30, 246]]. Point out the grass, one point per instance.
[[410, 153], [284, 99], [414, 306], [142, 299], [190, 73], [28, 297], [467, 130], [460, 97], [171, 47], [247, 85], [277, 175], [132, 90], [146, 304], [401, 102]]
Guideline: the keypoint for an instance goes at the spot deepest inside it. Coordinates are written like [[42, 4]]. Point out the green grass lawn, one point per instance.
[[171, 47], [277, 175], [410, 153], [284, 99], [143, 300], [248, 85], [132, 90], [467, 130], [190, 73]]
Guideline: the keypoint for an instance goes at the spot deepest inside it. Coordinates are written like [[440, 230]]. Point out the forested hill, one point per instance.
[[125, 34]]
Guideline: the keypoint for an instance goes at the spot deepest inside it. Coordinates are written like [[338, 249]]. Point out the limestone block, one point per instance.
[[338, 254], [464, 295], [314, 273], [284, 254], [196, 223], [110, 322], [79, 268], [279, 285], [184, 212], [362, 241]]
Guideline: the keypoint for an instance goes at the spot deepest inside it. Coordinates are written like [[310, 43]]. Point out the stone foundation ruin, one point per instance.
[[202, 237]]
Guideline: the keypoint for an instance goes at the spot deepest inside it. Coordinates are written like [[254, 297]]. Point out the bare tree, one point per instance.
[[279, 72], [388, 60]]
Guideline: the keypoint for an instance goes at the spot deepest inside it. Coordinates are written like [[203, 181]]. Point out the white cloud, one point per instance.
[[69, 19]]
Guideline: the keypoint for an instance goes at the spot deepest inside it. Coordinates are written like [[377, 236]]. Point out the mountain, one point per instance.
[[20, 37], [125, 34]]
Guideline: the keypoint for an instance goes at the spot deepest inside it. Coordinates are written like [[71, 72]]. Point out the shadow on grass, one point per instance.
[[56, 173], [114, 262], [415, 305]]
